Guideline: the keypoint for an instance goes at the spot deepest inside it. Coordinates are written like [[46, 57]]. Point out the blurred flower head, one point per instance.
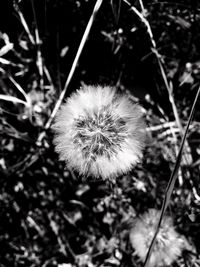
[[99, 132], [169, 244]]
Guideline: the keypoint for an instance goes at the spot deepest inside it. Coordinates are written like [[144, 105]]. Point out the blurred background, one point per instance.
[[50, 216]]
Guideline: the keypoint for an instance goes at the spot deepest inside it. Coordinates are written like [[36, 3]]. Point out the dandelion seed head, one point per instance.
[[169, 244], [99, 132]]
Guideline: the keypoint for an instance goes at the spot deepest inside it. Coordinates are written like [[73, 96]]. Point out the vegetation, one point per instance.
[[50, 215]]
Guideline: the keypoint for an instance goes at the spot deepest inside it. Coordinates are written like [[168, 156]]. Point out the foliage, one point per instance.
[[49, 215]]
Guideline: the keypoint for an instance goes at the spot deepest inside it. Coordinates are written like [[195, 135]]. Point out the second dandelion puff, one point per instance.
[[99, 132], [169, 243]]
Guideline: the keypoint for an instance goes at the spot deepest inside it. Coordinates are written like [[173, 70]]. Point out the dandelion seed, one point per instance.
[[99, 132], [169, 244]]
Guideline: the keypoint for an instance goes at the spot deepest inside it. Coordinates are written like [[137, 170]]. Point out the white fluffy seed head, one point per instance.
[[99, 132], [169, 244]]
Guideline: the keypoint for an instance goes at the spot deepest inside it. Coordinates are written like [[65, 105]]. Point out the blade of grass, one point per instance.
[[39, 60], [172, 181], [21, 90], [116, 8], [142, 6], [24, 23], [48, 76], [159, 59], [12, 99], [6, 48], [28, 101], [73, 67], [5, 61]]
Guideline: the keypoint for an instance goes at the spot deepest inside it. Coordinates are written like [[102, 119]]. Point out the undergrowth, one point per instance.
[[49, 215]]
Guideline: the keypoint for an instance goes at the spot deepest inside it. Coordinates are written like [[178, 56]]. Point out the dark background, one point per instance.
[[49, 215]]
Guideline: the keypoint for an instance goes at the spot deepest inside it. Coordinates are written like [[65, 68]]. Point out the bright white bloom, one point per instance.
[[99, 132], [169, 244]]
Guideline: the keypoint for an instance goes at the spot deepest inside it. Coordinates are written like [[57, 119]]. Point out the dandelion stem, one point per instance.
[[172, 181]]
